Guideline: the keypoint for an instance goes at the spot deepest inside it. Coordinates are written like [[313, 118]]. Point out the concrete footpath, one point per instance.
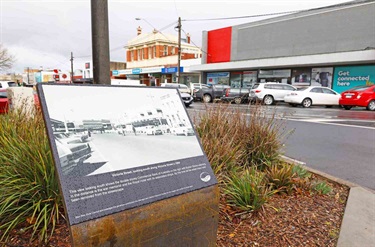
[[358, 225]]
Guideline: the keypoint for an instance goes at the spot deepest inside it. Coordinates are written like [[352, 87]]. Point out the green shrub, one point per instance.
[[280, 177], [29, 193], [322, 188], [301, 172], [247, 191]]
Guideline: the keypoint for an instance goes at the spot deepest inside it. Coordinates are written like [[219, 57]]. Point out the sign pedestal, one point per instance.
[[189, 219]]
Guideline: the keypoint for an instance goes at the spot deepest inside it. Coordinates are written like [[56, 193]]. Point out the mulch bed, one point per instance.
[[299, 219]]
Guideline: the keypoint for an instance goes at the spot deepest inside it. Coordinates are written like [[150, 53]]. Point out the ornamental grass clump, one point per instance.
[[220, 131], [263, 138], [279, 177], [248, 190], [29, 193]]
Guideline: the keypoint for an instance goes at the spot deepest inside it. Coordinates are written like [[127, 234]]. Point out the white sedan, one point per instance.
[[313, 96]]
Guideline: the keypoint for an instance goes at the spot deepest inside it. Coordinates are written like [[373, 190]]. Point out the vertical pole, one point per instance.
[[28, 80], [179, 50], [100, 41], [71, 67]]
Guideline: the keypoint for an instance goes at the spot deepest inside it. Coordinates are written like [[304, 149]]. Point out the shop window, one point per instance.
[[139, 54], [165, 52], [132, 56]]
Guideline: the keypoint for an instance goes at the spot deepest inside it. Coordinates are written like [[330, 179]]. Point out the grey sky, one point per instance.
[[44, 32]]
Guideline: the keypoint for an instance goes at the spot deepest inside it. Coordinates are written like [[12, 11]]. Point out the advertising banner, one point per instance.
[[130, 146], [347, 77], [322, 77], [301, 77]]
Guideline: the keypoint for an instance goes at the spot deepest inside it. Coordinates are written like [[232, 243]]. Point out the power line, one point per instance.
[[277, 13]]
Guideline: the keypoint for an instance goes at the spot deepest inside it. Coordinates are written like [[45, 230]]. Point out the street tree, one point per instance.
[[6, 59]]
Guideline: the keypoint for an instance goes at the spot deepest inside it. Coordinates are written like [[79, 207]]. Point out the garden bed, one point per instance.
[[302, 218]]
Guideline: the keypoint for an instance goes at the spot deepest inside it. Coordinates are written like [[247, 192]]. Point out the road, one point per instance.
[[123, 152], [332, 140]]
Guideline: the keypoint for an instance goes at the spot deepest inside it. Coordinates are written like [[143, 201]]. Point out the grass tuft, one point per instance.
[[29, 193]]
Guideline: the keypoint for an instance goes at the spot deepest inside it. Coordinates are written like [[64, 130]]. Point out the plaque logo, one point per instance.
[[205, 177]]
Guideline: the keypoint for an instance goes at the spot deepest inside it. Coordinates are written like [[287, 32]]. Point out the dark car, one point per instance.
[[3, 101], [210, 93], [359, 96]]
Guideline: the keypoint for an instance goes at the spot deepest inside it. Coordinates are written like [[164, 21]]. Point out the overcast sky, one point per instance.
[[44, 32]]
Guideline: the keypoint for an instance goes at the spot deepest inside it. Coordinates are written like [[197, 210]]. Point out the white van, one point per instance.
[[6, 84]]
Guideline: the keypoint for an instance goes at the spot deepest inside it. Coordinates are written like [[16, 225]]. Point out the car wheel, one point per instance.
[[347, 107], [268, 100], [237, 101], [306, 103], [207, 98], [371, 105]]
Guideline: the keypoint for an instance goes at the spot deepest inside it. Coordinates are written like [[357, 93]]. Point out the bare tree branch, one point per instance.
[[6, 59]]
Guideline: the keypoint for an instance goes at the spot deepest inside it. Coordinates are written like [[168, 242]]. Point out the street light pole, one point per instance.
[[179, 50]]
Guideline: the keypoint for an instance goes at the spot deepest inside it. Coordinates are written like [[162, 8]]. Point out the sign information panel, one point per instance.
[[129, 146]]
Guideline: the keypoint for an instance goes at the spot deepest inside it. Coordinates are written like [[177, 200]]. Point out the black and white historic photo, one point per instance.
[[105, 129]]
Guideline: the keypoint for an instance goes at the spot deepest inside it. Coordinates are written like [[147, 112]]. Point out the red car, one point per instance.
[[359, 96], [3, 101]]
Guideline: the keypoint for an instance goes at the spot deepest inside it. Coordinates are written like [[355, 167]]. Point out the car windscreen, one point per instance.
[[301, 89], [3, 95], [256, 85]]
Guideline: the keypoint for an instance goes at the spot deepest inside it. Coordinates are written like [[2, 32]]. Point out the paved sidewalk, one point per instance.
[[358, 225]]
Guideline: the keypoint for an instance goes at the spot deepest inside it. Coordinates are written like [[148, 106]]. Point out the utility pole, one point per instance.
[[100, 41], [179, 50], [28, 80], [71, 67]]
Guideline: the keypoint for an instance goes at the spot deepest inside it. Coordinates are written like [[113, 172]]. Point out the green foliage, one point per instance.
[[301, 172], [236, 140], [29, 193], [322, 188], [280, 177], [247, 191]]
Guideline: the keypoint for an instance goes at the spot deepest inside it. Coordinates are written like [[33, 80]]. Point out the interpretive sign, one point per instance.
[[120, 147]]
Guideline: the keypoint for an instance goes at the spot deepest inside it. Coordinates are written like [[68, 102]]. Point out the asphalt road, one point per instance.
[[332, 140]]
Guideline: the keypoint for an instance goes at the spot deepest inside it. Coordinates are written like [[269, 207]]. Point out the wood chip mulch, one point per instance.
[[299, 219]]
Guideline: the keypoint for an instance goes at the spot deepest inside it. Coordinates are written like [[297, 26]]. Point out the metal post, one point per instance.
[[179, 50], [100, 41], [71, 67]]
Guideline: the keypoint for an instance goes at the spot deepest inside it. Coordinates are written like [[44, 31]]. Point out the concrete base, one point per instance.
[[187, 220]]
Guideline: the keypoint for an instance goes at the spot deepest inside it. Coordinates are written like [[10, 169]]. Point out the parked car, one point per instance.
[[187, 99], [181, 87], [197, 91], [4, 103], [270, 92], [359, 96], [71, 155], [68, 138], [153, 130], [209, 93], [236, 95], [313, 96], [181, 129], [6, 84]]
